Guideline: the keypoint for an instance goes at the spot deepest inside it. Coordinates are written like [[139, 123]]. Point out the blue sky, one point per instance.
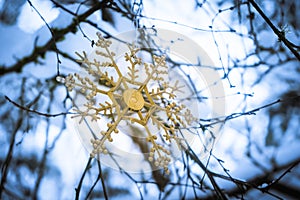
[[70, 155]]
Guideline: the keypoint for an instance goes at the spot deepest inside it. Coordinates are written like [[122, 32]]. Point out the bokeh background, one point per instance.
[[255, 48]]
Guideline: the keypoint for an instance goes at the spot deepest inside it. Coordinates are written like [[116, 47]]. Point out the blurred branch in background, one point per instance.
[[10, 11], [280, 33]]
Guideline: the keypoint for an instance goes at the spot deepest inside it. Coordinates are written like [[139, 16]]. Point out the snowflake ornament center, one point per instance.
[[134, 99]]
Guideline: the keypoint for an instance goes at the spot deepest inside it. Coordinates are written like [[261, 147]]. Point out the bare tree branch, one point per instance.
[[34, 111], [58, 35], [280, 34]]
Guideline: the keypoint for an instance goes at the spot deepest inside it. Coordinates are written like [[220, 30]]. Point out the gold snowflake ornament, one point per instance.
[[134, 91]]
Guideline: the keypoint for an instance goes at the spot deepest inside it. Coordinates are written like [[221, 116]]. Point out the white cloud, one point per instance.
[[29, 21]]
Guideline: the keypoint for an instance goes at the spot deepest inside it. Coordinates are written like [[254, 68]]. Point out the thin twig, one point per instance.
[[34, 111], [280, 34], [99, 177], [281, 176], [52, 33], [102, 180], [220, 194], [87, 167], [234, 115]]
